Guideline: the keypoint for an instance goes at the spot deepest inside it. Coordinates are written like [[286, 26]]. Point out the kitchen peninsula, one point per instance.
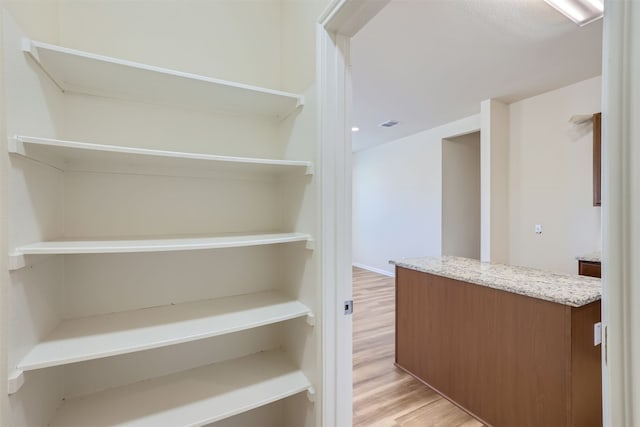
[[512, 346]]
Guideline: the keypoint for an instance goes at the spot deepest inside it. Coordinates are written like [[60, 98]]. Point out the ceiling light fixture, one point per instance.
[[582, 12], [355, 129]]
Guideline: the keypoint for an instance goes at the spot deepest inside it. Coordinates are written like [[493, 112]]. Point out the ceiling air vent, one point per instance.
[[389, 123]]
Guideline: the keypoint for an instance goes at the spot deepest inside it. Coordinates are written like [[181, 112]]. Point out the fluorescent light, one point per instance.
[[582, 12], [355, 129]]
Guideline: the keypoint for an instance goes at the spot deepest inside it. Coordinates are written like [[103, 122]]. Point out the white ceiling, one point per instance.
[[429, 62]]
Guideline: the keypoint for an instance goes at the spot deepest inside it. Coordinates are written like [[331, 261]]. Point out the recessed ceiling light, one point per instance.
[[582, 12], [355, 129]]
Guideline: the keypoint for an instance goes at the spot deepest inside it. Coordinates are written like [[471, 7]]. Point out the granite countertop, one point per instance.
[[592, 257], [566, 289]]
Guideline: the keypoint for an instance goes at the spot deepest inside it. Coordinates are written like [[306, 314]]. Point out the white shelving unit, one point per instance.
[[61, 329], [83, 72], [18, 257], [71, 247], [120, 333], [82, 157], [192, 398]]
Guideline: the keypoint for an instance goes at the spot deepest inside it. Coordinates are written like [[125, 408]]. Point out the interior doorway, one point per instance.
[[461, 196]]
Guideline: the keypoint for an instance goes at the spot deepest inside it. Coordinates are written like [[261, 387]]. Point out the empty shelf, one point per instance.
[[83, 72], [80, 156], [67, 247], [111, 334], [192, 398]]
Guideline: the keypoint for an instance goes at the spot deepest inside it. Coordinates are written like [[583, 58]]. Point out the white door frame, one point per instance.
[[621, 206], [341, 20], [621, 213]]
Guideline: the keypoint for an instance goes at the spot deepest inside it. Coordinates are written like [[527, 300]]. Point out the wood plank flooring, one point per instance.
[[383, 395]]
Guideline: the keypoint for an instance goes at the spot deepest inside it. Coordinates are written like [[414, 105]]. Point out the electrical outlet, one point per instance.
[[538, 228]]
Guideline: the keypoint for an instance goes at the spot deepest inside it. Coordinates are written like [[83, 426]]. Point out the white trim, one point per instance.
[[347, 17], [373, 269], [621, 213], [341, 20], [336, 407]]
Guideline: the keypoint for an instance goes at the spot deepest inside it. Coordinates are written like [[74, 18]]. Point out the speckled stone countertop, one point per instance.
[[574, 291], [592, 257]]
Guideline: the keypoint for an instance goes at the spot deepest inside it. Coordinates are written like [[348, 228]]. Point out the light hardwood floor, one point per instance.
[[383, 395]]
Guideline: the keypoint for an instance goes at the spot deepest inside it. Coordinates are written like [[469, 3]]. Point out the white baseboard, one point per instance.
[[373, 269]]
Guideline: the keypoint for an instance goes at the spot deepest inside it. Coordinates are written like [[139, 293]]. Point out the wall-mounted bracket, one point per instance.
[[16, 261], [15, 146], [311, 244], [311, 394], [15, 381], [309, 170], [27, 46], [311, 319]]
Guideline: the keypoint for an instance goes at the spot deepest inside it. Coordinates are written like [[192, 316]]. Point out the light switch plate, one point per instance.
[[538, 228], [597, 333]]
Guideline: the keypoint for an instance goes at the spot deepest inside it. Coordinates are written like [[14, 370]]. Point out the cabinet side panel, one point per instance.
[[499, 355], [586, 367]]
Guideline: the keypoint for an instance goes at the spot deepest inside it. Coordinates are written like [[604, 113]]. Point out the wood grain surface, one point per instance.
[[383, 395], [508, 359]]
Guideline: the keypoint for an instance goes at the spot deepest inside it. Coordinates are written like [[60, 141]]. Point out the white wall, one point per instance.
[[225, 39], [494, 193], [397, 197], [551, 179], [37, 18], [461, 196], [298, 34]]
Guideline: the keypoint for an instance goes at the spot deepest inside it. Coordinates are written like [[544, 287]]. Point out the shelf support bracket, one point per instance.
[[311, 319], [27, 47], [16, 261], [311, 244], [15, 381], [309, 170], [311, 394], [15, 146]]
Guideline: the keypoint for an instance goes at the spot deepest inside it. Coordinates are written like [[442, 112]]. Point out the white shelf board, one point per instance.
[[83, 72], [70, 247], [112, 334], [81, 156], [192, 398]]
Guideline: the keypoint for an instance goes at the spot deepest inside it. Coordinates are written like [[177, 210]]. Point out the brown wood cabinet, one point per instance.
[[589, 268], [507, 359], [597, 159]]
